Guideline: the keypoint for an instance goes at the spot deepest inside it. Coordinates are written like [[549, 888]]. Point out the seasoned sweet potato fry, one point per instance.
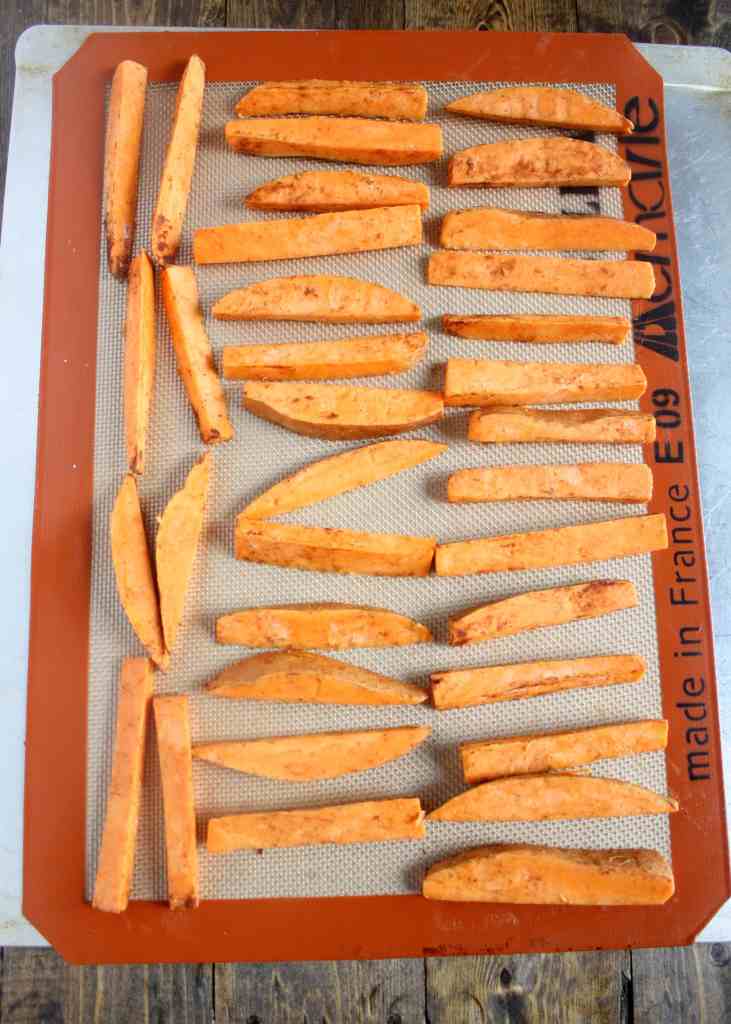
[[556, 751], [556, 797], [463, 688], [324, 755], [177, 172], [588, 481], [335, 627], [490, 228], [321, 234], [117, 853], [550, 275], [133, 571], [401, 101], [340, 473], [139, 359], [321, 191], [550, 875], [121, 162], [602, 426], [540, 328], [354, 140], [340, 412], [533, 163], [328, 550], [194, 354], [566, 545], [310, 678], [370, 821], [321, 298], [371, 356], [537, 609], [172, 725], [541, 105]]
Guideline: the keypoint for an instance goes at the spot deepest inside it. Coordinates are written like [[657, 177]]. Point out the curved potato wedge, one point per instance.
[[490, 228], [121, 162], [335, 627], [401, 101], [541, 105], [323, 191], [534, 163], [310, 678], [514, 424], [539, 328]]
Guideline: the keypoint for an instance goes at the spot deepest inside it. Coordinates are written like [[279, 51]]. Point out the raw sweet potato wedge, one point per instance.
[[335, 627], [534, 163], [370, 821], [539, 328], [556, 751], [401, 101], [601, 426], [340, 473], [172, 725], [541, 105], [121, 162], [550, 875], [297, 677], [341, 412], [321, 191], [489, 228], [328, 550], [139, 359], [588, 481]]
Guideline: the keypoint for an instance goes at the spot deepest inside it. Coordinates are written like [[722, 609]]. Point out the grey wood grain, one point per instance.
[[659, 21], [494, 15], [691, 985]]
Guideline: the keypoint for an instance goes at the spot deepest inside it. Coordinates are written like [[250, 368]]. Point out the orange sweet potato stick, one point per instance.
[[172, 724]]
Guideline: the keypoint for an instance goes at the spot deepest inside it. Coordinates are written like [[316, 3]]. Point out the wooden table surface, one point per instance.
[[647, 987]]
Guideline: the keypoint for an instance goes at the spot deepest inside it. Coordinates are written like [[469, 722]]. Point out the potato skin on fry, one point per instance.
[[323, 191], [535, 163], [514, 424], [121, 162], [405, 101], [139, 359], [539, 328], [541, 105]]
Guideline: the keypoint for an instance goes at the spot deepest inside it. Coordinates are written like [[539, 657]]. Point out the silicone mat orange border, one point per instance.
[[343, 927]]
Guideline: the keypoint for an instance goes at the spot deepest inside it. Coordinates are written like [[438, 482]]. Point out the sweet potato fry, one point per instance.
[[328, 550], [505, 382], [588, 481], [172, 724], [340, 412], [401, 101], [335, 627], [354, 140], [556, 797], [602, 426], [550, 875], [371, 356], [310, 678], [537, 609], [556, 751], [464, 688], [340, 473], [117, 853], [321, 191], [320, 234], [566, 545], [370, 821], [177, 171], [490, 228], [133, 571], [549, 275], [539, 328], [534, 163], [139, 359], [320, 298], [194, 354], [541, 105], [121, 162], [325, 755]]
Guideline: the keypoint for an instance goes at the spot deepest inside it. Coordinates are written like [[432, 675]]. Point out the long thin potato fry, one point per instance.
[[121, 162], [172, 725], [340, 473], [541, 105], [321, 298], [556, 751], [354, 140], [401, 101], [139, 359], [194, 354], [464, 688], [537, 609], [328, 550], [539, 328], [566, 545], [490, 228], [117, 851], [321, 191], [371, 356], [335, 627], [550, 875], [589, 481], [371, 821], [297, 677], [601, 426], [177, 172], [534, 163]]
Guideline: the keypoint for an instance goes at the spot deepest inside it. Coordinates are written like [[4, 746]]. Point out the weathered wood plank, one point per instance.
[[495, 15], [203, 13], [692, 985], [316, 14], [659, 21]]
